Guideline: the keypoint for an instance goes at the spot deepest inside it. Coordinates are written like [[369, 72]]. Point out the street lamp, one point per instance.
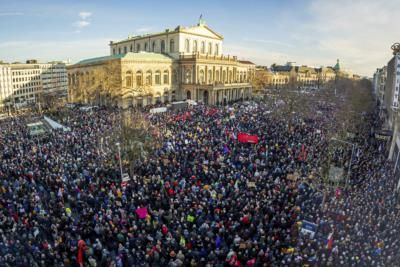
[[351, 157], [119, 155]]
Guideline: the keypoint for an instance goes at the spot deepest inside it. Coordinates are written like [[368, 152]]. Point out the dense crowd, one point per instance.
[[201, 199]]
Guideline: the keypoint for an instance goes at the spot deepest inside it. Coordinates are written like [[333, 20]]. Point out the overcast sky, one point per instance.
[[308, 32]]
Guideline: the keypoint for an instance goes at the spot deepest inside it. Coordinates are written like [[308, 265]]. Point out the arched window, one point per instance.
[[216, 50], [188, 76], [203, 47], [128, 79], [153, 46], [209, 76], [172, 46], [201, 76], [162, 46], [125, 50], [187, 48], [148, 78], [149, 100], [209, 48], [145, 46], [166, 95], [138, 48], [194, 46], [157, 77], [223, 76], [217, 79], [166, 77], [230, 76], [139, 78]]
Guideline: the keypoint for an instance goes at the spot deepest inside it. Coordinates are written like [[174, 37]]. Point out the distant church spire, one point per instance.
[[337, 66]]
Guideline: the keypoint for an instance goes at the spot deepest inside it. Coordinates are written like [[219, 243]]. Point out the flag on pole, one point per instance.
[[329, 242]]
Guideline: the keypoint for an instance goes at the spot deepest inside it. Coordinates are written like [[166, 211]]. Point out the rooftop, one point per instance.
[[140, 56]]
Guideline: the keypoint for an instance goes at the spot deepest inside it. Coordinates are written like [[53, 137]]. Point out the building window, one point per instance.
[[128, 79], [201, 76], [157, 78], [166, 77], [209, 76], [139, 78], [153, 46], [203, 47], [162, 46], [148, 78], [119, 50], [131, 48], [194, 46], [188, 76], [125, 50], [210, 48], [113, 51], [171, 46], [145, 46], [216, 50], [187, 48]]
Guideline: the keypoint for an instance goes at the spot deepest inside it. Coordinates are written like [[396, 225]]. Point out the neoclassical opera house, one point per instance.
[[177, 64]]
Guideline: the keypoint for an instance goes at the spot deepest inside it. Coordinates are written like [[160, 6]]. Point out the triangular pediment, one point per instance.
[[203, 30]]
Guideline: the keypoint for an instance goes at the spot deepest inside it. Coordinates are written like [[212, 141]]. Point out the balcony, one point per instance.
[[208, 56], [216, 85]]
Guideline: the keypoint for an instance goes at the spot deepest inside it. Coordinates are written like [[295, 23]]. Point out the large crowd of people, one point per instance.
[[202, 199]]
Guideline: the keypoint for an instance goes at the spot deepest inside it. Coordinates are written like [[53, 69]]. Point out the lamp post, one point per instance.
[[119, 155], [351, 157]]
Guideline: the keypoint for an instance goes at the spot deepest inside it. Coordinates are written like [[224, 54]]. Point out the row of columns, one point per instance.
[[218, 96], [230, 74]]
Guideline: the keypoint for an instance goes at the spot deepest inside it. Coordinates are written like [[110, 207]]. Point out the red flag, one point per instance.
[[81, 249], [329, 242], [246, 138], [303, 153]]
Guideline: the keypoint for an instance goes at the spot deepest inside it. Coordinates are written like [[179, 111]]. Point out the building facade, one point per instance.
[[391, 101], [183, 63], [300, 77], [379, 83], [30, 81], [6, 90]]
